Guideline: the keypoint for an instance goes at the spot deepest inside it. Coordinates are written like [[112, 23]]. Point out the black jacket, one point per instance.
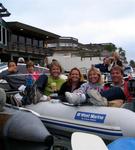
[[67, 88]]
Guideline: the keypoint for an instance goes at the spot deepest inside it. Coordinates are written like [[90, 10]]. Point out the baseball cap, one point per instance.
[[21, 60]]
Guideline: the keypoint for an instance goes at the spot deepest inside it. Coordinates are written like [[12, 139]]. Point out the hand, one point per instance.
[[111, 58]]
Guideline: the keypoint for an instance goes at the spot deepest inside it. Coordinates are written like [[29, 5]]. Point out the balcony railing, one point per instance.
[[19, 47]]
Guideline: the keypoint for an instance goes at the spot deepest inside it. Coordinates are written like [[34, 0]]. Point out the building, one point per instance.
[[18, 39], [29, 42], [70, 53], [4, 32]]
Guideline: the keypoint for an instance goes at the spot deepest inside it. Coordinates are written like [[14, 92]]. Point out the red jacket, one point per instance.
[[126, 92]]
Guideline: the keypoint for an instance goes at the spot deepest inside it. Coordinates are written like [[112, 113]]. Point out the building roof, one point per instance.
[[30, 31], [3, 11]]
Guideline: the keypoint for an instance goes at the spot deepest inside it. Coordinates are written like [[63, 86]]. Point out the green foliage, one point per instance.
[[110, 47], [122, 52], [132, 63], [120, 49]]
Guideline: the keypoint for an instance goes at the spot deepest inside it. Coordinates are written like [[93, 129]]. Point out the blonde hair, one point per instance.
[[97, 71], [116, 55], [55, 64], [29, 64]]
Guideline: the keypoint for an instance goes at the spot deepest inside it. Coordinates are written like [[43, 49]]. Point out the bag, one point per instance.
[[95, 98]]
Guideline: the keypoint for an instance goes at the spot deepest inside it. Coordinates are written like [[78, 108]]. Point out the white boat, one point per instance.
[[107, 122]]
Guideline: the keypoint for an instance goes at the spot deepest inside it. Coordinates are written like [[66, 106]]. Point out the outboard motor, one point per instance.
[[26, 126]]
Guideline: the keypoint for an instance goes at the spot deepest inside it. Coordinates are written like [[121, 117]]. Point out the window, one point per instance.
[[52, 45], [40, 43], [62, 44], [4, 34], [0, 34], [75, 45], [8, 36], [14, 38], [65, 44], [21, 40], [35, 42], [28, 41]]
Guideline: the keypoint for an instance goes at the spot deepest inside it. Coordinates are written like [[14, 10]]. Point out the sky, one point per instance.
[[90, 21]]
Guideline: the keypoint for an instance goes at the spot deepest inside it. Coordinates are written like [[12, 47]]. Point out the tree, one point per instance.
[[122, 52], [132, 63], [110, 47]]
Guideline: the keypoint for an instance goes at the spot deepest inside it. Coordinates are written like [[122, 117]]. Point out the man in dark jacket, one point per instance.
[[12, 76], [104, 66]]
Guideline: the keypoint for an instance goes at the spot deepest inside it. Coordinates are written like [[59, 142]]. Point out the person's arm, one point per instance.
[[119, 63], [110, 66], [97, 65], [111, 63], [63, 89], [4, 74], [82, 89], [61, 93], [42, 82]]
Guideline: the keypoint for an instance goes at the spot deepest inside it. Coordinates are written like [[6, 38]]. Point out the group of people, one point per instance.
[[109, 62], [21, 76], [16, 73], [95, 92], [75, 89]]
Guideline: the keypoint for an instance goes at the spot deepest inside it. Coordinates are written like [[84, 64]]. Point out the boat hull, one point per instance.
[[23, 126], [108, 123]]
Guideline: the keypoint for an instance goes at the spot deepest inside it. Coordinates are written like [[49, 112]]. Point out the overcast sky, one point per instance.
[[90, 21]]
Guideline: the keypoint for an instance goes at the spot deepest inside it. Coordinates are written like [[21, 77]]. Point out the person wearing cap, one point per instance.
[[21, 60], [12, 76], [21, 66]]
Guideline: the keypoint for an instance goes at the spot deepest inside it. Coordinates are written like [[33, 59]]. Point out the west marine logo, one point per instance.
[[92, 117]]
